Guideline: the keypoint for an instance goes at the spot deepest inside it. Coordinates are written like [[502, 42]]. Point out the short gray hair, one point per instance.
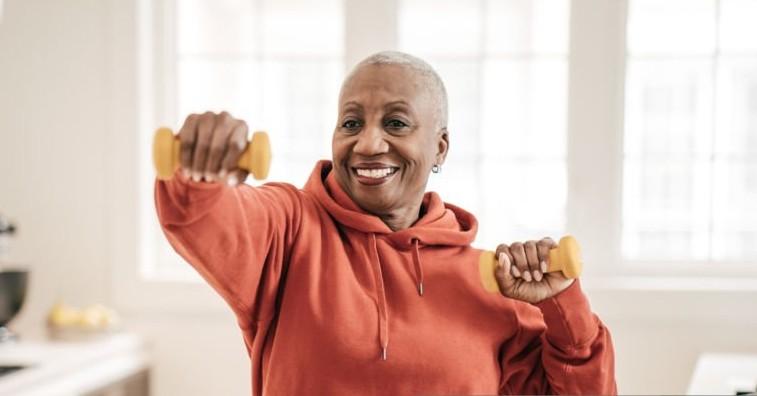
[[434, 83]]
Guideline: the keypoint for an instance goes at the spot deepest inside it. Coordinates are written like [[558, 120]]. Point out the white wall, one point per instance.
[[68, 89]]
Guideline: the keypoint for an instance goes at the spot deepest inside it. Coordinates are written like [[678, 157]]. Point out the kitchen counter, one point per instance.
[[113, 364], [724, 374]]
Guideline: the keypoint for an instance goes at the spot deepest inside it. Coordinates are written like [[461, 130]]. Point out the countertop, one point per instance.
[[724, 374], [71, 367]]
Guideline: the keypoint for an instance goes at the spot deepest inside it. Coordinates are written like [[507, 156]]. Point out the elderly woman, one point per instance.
[[363, 283]]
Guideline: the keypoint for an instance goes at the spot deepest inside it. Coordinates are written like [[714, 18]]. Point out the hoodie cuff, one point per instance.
[[568, 317], [191, 191], [178, 177]]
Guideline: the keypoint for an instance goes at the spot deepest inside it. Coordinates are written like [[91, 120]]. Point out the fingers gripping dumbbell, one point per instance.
[[566, 258], [255, 159]]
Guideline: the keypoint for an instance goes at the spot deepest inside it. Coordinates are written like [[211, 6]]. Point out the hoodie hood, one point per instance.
[[442, 225]]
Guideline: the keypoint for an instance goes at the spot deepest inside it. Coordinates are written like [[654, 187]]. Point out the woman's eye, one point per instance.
[[395, 124], [351, 124]]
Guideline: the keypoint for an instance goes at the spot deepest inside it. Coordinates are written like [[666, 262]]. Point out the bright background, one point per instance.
[[631, 124]]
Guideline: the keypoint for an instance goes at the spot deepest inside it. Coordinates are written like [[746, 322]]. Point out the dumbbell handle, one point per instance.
[[566, 257], [255, 159]]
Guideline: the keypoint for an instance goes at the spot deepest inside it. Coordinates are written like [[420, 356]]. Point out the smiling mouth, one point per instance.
[[374, 176]]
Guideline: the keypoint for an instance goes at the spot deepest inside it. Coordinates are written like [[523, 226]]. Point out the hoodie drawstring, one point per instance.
[[381, 298], [418, 266], [381, 301]]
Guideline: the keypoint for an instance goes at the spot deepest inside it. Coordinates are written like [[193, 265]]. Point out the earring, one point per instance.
[[436, 168]]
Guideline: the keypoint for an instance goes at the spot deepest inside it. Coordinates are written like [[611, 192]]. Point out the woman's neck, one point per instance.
[[402, 218]]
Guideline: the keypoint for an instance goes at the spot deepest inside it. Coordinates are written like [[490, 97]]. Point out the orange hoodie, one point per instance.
[[331, 301]]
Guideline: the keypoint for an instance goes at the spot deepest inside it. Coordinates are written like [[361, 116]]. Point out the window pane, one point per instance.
[[735, 210], [300, 105], [666, 209], [440, 27], [216, 85], [671, 27], [524, 105], [667, 145], [691, 131], [277, 65], [522, 199], [220, 27], [738, 30], [737, 108], [302, 27], [668, 108], [524, 26]]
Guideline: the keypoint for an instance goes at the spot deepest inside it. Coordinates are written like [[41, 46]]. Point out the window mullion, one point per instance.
[[167, 58], [369, 26], [595, 140]]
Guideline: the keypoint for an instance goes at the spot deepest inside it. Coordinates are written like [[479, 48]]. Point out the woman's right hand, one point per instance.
[[211, 145]]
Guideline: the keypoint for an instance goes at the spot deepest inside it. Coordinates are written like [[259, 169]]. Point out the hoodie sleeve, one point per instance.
[[238, 239], [564, 350]]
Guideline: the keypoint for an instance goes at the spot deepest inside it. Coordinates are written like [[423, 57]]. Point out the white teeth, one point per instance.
[[375, 173]]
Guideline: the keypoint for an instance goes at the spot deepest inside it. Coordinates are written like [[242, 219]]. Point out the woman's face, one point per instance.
[[387, 138]]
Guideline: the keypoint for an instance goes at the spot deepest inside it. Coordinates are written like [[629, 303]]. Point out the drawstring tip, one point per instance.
[[383, 353], [420, 288]]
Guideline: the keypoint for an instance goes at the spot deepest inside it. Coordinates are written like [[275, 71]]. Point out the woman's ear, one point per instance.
[[442, 146]]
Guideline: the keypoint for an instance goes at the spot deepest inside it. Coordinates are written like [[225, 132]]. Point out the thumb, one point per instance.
[[502, 273]]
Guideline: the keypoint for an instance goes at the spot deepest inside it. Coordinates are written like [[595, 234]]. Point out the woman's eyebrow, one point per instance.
[[352, 103], [397, 103]]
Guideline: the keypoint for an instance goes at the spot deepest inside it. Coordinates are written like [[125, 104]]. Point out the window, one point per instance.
[[504, 64], [631, 125], [690, 191], [279, 65]]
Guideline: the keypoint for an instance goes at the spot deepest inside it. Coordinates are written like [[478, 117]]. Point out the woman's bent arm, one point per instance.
[[564, 350]]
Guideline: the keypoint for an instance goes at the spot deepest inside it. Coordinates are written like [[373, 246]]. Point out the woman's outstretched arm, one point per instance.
[[236, 236]]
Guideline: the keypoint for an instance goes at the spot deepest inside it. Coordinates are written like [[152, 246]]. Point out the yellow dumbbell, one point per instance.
[[566, 257], [255, 159]]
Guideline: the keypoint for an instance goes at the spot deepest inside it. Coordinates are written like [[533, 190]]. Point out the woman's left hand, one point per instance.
[[522, 271]]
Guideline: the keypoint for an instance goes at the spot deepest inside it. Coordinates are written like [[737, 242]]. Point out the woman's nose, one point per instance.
[[370, 141]]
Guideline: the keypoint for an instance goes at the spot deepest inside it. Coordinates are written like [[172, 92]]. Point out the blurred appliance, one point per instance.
[[13, 282], [12, 293]]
